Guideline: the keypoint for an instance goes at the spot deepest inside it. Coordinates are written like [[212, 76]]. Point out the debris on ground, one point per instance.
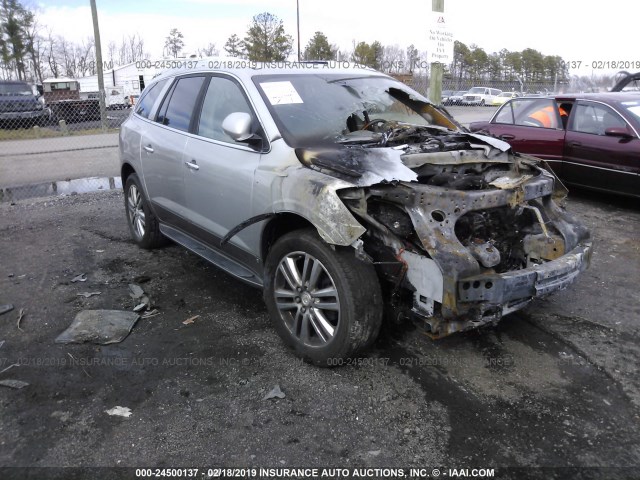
[[63, 416], [142, 279], [150, 313], [191, 320], [99, 251], [20, 317], [274, 393], [17, 384], [374, 453], [99, 326], [144, 304], [79, 278], [7, 307], [119, 411], [10, 366], [87, 294], [135, 291]]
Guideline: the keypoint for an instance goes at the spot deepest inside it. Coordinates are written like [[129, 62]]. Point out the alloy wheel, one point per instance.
[[136, 211], [307, 299]]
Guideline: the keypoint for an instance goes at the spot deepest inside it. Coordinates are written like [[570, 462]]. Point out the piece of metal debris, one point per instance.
[[7, 307], [20, 317], [17, 384], [274, 393], [87, 294], [374, 453], [99, 251], [10, 366], [79, 278], [135, 291], [119, 411], [191, 320], [99, 326], [140, 307], [151, 313]]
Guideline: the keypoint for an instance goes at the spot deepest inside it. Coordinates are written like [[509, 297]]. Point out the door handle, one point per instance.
[[192, 165], [507, 136], [148, 148], [575, 144]]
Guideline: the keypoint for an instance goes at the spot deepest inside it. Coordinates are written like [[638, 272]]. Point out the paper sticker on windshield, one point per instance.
[[281, 93]]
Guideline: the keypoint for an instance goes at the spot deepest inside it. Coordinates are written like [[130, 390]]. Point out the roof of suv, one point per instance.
[[247, 68]]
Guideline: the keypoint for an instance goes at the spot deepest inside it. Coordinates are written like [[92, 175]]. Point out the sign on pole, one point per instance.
[[440, 44]]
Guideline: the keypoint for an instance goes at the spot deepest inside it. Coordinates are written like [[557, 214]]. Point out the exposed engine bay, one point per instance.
[[461, 229]]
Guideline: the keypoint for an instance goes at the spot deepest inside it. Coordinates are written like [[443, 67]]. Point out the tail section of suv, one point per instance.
[[19, 107]]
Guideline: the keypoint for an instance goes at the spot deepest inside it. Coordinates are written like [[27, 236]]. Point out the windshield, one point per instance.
[[313, 109], [8, 89], [476, 90]]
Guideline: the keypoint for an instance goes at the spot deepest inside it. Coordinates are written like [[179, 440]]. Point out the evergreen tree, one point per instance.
[[266, 39]]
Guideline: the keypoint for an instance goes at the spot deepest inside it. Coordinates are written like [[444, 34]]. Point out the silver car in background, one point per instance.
[[343, 194]]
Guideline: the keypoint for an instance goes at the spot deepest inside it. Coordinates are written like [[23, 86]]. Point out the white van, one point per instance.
[[480, 96]]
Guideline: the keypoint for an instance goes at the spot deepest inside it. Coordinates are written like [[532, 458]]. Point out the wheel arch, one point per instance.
[[281, 224], [125, 172]]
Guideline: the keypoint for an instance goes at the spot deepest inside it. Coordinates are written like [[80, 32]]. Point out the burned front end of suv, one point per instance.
[[461, 229]]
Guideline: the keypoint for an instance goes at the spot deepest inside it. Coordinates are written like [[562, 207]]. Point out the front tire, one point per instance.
[[324, 302], [143, 224]]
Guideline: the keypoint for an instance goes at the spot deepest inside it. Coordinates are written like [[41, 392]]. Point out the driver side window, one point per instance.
[[223, 97]]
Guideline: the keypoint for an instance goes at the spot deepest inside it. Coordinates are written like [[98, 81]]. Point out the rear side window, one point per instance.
[[177, 107], [145, 104], [505, 115]]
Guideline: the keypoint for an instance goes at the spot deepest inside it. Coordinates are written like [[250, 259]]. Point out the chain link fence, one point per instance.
[[55, 141]]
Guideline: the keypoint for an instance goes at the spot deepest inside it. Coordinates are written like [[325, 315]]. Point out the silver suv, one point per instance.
[[343, 194]]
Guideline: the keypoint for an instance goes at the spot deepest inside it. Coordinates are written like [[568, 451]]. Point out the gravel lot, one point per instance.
[[555, 385]]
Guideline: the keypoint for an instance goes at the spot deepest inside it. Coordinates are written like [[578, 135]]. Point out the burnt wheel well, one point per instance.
[[125, 172], [278, 226]]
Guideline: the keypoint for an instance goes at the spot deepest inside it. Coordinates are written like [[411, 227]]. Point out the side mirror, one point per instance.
[[621, 132], [238, 126]]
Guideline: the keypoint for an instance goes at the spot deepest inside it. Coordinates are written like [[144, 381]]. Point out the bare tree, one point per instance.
[[209, 51], [174, 43], [33, 45], [50, 53], [393, 59], [112, 51]]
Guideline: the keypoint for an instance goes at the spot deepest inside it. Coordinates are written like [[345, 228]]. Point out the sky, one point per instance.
[[578, 31]]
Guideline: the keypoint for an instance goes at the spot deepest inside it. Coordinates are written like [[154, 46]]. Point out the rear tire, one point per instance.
[[143, 224], [324, 302]]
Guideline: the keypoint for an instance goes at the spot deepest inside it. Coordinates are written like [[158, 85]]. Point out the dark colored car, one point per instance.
[[455, 98], [590, 140], [19, 107]]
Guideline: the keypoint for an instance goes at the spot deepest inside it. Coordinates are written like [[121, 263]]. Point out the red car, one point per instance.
[[590, 140]]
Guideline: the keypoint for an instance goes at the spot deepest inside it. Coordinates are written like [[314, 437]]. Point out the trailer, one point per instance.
[[62, 96]]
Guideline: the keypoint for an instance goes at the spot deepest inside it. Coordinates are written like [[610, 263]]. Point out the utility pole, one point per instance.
[[298, 16], [96, 36], [436, 70]]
